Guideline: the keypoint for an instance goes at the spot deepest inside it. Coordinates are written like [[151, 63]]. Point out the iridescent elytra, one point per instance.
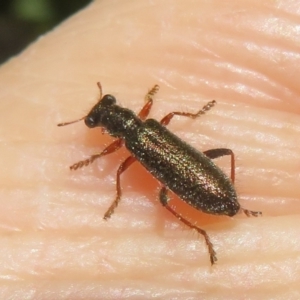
[[189, 173]]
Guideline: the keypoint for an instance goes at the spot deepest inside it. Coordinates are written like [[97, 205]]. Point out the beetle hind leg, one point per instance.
[[163, 198], [219, 152]]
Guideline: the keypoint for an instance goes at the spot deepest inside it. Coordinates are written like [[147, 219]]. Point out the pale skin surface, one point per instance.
[[54, 241]]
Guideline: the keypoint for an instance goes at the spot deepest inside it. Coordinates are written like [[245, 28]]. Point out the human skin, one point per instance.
[[54, 241]]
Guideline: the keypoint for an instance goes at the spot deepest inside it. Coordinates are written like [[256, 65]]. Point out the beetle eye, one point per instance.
[[108, 100], [90, 122]]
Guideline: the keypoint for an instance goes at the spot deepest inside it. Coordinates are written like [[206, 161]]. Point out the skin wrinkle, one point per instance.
[[54, 241]]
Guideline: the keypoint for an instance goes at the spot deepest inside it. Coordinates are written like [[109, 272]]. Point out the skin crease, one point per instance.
[[54, 241]]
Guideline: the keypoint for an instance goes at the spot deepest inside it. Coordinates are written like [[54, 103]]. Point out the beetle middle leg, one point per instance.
[[215, 153], [114, 146], [123, 167], [163, 198], [166, 120]]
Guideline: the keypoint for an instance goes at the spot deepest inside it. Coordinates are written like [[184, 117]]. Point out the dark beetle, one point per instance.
[[187, 172]]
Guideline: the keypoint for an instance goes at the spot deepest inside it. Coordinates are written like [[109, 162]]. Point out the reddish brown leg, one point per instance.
[[250, 213], [166, 120], [143, 114], [163, 197], [215, 153], [123, 167], [114, 146]]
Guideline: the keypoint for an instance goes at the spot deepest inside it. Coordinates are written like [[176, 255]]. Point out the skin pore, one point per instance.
[[54, 241]]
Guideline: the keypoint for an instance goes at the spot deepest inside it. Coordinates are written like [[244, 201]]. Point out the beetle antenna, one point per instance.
[[100, 88], [68, 123]]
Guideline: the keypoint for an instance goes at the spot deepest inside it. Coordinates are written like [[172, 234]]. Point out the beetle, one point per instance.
[[189, 173]]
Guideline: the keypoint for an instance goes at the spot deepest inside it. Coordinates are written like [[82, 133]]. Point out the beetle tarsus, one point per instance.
[[250, 213]]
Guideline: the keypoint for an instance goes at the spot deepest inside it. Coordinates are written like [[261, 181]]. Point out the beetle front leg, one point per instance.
[[114, 146], [143, 114], [164, 199]]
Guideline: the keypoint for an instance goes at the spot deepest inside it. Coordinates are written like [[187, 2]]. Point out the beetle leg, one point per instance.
[[164, 199], [123, 167], [149, 101], [250, 213], [166, 120], [215, 153], [114, 146], [151, 92]]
